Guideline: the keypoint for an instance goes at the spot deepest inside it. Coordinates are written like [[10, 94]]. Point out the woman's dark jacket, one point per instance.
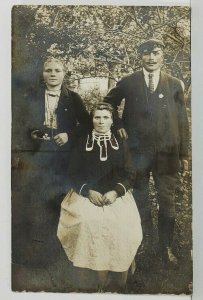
[[72, 116], [87, 171]]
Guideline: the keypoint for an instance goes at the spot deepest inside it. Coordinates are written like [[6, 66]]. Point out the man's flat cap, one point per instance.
[[149, 45]]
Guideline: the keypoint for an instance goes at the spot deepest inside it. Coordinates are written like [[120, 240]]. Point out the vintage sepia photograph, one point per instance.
[[101, 152]]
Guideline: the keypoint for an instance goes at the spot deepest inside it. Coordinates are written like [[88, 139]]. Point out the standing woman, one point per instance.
[[57, 116], [99, 226]]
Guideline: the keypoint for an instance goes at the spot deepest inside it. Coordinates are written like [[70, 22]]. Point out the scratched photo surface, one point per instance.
[[96, 47]]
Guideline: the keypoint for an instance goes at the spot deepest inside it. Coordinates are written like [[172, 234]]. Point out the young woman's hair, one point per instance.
[[102, 106], [53, 59]]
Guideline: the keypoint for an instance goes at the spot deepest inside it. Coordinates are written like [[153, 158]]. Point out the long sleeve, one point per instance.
[[183, 123], [127, 177], [88, 172], [114, 97], [82, 116]]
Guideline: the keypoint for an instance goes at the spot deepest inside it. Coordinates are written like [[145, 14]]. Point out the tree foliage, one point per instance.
[[102, 40], [98, 41]]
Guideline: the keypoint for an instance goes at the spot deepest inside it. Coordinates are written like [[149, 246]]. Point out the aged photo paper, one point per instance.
[[97, 45]]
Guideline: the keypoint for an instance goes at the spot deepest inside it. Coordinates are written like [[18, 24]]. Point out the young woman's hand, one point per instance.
[[110, 197], [96, 198]]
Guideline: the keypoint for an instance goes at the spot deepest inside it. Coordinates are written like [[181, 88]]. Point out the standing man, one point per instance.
[[155, 123]]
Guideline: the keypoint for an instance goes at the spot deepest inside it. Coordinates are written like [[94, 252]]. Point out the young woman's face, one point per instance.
[[53, 74], [102, 120]]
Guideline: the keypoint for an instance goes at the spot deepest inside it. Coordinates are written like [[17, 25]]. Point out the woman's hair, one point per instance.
[[102, 106], [53, 59]]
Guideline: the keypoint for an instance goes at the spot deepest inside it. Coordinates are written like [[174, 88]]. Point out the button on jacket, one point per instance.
[[154, 122]]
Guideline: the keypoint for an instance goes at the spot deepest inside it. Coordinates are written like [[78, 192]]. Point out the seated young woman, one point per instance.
[[99, 226]]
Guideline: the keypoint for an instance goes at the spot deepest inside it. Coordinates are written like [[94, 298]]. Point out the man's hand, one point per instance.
[[110, 197], [184, 166], [61, 138], [123, 134], [96, 198]]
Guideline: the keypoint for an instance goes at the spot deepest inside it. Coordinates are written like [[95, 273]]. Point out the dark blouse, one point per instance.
[[87, 171]]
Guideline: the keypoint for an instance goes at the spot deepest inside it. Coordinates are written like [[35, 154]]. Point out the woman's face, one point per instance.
[[102, 120], [53, 74]]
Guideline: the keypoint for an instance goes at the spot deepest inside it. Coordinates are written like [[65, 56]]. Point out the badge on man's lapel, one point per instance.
[[161, 96]]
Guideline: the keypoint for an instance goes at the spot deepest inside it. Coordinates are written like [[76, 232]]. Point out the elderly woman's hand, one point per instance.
[[35, 134], [61, 139], [96, 198], [110, 197]]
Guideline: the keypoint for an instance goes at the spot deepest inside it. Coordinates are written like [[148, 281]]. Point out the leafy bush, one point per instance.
[[90, 97]]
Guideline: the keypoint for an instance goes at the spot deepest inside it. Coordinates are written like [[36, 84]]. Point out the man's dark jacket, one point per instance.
[[155, 123]]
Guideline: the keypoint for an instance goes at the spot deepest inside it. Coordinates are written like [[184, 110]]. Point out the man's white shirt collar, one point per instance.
[[155, 77]]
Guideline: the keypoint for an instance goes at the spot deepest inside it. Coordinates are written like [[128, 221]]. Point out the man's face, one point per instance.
[[53, 74], [152, 59]]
